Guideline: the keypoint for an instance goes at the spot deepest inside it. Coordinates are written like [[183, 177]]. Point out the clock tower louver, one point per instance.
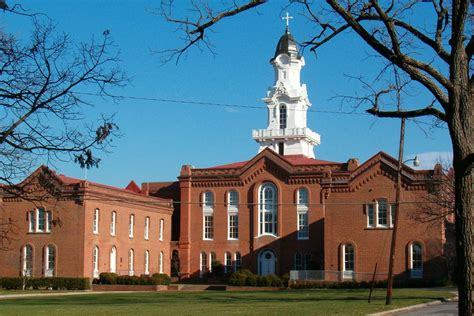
[[287, 103]]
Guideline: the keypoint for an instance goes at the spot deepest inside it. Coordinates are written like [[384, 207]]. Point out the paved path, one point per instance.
[[445, 308]]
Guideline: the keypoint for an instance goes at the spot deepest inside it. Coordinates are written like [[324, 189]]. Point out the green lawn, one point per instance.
[[291, 302]]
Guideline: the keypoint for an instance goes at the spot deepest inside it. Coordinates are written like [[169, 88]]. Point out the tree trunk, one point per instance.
[[461, 128]]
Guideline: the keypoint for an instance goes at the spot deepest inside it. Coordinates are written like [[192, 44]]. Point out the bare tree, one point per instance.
[[437, 58], [44, 84]]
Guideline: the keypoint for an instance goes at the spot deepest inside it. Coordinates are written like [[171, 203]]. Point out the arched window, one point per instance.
[[131, 225], [267, 208], [131, 259], [95, 222], [147, 262], [147, 227], [203, 264], [282, 116], [27, 266], [237, 261], [49, 221], [50, 261], [302, 213], [208, 215], [113, 223], [113, 259], [348, 260], [162, 228], [416, 260], [212, 260], [233, 215], [161, 262], [95, 262], [228, 262]]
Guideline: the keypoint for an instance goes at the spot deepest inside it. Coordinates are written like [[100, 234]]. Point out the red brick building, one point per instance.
[[75, 228], [285, 210]]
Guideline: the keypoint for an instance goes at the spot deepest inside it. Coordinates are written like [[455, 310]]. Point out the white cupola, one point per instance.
[[287, 103]]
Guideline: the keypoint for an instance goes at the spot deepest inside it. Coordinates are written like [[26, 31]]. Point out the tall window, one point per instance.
[[302, 212], [50, 261], [380, 214], [212, 260], [95, 262], [348, 261], [237, 261], [131, 225], [298, 262], [40, 221], [203, 264], [162, 228], [113, 259], [233, 215], [147, 227], [161, 262], [95, 222], [282, 116], [267, 208], [131, 259], [147, 262], [228, 262], [208, 215], [27, 256], [113, 223], [416, 261]]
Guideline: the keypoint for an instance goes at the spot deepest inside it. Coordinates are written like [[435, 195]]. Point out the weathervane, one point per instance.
[[287, 18]]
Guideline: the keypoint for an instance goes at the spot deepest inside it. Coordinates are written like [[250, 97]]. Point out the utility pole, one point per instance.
[[391, 262]]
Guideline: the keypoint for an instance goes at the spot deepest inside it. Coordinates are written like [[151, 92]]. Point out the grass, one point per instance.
[[314, 302]]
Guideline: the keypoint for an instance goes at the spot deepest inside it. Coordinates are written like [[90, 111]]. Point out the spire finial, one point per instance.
[[287, 18]]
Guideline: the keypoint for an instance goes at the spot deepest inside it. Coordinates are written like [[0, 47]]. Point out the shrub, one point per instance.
[[251, 280], [108, 278], [237, 279], [161, 279], [11, 283], [217, 269], [55, 283]]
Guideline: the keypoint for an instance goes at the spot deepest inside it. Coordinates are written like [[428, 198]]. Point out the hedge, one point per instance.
[[54, 283], [155, 279], [247, 278]]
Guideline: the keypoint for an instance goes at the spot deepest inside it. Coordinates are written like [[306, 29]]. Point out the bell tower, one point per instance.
[[287, 103]]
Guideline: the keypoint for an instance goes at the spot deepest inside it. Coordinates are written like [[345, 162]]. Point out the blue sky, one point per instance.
[[159, 137]]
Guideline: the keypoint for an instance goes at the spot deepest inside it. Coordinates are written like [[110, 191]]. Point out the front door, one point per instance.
[[267, 263]]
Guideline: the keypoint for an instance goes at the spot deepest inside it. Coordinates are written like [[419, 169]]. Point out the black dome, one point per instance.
[[286, 45]]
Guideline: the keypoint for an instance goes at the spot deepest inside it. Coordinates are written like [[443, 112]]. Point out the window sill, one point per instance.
[[378, 228], [266, 235], [233, 239], [208, 239], [39, 233], [302, 238]]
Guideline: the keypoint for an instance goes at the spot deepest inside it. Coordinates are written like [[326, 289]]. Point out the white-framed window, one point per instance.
[[113, 223], [283, 116], [208, 215], [233, 215], [202, 264], [416, 260], [380, 214], [162, 229], [237, 261], [147, 262], [227, 262], [302, 198], [161, 262], [307, 261], [113, 259], [348, 261], [212, 260], [49, 221], [131, 258], [95, 222], [40, 221], [95, 262], [267, 209], [208, 226], [298, 261], [27, 264], [147, 227], [303, 225], [131, 225], [50, 261]]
